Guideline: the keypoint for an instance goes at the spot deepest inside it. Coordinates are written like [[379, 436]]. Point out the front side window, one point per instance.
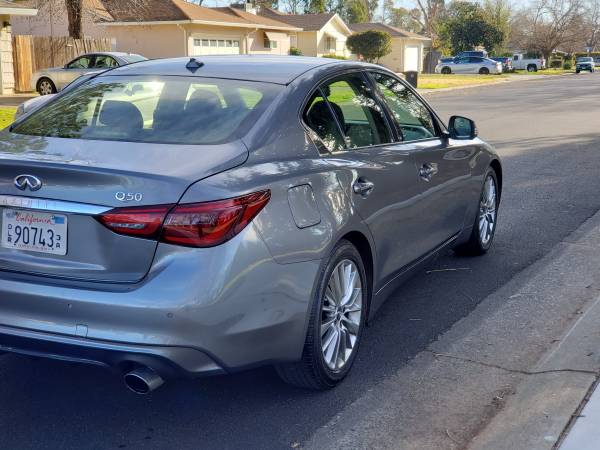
[[178, 110], [85, 62], [358, 112], [413, 117]]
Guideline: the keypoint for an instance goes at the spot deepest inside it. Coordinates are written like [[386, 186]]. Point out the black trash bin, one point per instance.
[[412, 77]]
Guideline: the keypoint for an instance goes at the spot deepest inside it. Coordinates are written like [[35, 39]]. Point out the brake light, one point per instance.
[[140, 221], [204, 224]]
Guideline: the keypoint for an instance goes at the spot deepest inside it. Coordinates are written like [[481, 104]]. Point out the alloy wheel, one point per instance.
[[341, 315], [487, 211], [46, 88]]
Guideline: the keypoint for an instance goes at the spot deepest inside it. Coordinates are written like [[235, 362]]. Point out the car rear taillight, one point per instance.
[[140, 221], [204, 224]]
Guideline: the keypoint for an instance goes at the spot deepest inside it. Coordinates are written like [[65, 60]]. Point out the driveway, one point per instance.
[[549, 148]]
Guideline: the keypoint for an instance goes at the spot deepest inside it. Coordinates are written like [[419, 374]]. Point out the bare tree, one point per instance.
[[551, 25], [294, 6], [593, 23], [431, 11]]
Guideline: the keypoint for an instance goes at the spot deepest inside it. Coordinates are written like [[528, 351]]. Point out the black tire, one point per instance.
[[446, 71], [532, 68], [475, 246], [312, 372], [577, 71], [42, 83], [484, 71]]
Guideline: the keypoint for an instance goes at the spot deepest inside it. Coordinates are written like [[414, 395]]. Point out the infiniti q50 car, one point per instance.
[[190, 217]]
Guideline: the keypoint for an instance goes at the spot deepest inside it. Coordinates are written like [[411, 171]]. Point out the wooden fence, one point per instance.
[[33, 53]]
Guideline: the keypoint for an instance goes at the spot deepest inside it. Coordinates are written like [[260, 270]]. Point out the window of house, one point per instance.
[[330, 43], [269, 43]]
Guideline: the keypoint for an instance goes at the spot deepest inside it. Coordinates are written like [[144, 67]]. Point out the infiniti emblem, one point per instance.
[[23, 182]]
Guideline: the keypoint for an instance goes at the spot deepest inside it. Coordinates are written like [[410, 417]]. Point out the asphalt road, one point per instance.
[[547, 134]]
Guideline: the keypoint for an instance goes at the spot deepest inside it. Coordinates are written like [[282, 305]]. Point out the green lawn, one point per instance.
[[437, 81], [544, 72], [7, 115]]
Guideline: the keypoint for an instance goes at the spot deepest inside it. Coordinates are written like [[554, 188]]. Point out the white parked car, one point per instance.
[[469, 64], [528, 64], [50, 81]]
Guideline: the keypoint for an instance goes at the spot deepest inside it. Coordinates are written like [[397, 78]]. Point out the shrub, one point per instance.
[[556, 63], [295, 51], [333, 56], [370, 45], [567, 65]]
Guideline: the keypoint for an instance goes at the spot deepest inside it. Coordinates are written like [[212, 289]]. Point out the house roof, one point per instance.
[[16, 9], [308, 22], [157, 11], [393, 31]]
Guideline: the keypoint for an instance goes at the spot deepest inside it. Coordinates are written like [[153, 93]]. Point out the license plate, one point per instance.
[[34, 231]]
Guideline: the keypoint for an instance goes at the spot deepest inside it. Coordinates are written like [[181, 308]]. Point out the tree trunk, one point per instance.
[[74, 8]]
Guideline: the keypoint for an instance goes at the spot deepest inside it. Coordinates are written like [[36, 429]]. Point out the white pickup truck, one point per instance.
[[530, 64]]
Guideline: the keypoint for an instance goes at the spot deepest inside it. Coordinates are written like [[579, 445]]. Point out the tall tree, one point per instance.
[[316, 6], [593, 24], [499, 13], [356, 11], [75, 16], [465, 27], [550, 25], [431, 13], [294, 6]]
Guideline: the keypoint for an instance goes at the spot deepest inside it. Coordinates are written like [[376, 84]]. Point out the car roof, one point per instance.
[[270, 69], [117, 54]]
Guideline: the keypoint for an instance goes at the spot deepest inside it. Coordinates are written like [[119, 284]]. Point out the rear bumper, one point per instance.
[[199, 311], [169, 362]]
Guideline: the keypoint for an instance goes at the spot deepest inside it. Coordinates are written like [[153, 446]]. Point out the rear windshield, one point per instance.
[[171, 109]]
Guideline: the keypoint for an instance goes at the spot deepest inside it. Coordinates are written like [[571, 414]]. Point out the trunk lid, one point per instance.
[[81, 178]]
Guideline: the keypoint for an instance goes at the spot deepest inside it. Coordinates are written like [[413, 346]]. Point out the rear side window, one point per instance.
[[360, 116], [320, 119], [178, 110]]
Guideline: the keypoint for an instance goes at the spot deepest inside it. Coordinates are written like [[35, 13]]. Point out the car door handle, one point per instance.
[[363, 187], [428, 170]]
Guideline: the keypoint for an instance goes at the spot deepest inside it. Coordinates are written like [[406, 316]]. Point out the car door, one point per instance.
[[443, 165], [377, 174], [75, 69], [462, 65]]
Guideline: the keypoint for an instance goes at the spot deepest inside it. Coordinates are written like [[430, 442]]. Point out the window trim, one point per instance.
[[317, 87], [441, 130]]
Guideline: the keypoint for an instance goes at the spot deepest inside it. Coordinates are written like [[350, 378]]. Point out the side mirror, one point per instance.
[[462, 128]]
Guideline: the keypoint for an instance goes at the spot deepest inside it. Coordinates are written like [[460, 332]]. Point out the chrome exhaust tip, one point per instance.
[[143, 380]]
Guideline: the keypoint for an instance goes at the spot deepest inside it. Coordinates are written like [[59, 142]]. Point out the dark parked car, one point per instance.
[[186, 217], [477, 53], [507, 66]]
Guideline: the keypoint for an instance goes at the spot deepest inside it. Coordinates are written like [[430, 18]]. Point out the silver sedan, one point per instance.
[[469, 65], [192, 217], [50, 81]]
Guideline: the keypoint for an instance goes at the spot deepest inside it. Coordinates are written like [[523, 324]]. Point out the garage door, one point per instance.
[[411, 58], [211, 46]]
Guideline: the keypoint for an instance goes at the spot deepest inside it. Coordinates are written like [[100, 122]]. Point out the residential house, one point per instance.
[[322, 34], [8, 12], [52, 18], [408, 49], [169, 28]]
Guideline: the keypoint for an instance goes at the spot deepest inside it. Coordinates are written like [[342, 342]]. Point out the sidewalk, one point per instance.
[[508, 376]]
